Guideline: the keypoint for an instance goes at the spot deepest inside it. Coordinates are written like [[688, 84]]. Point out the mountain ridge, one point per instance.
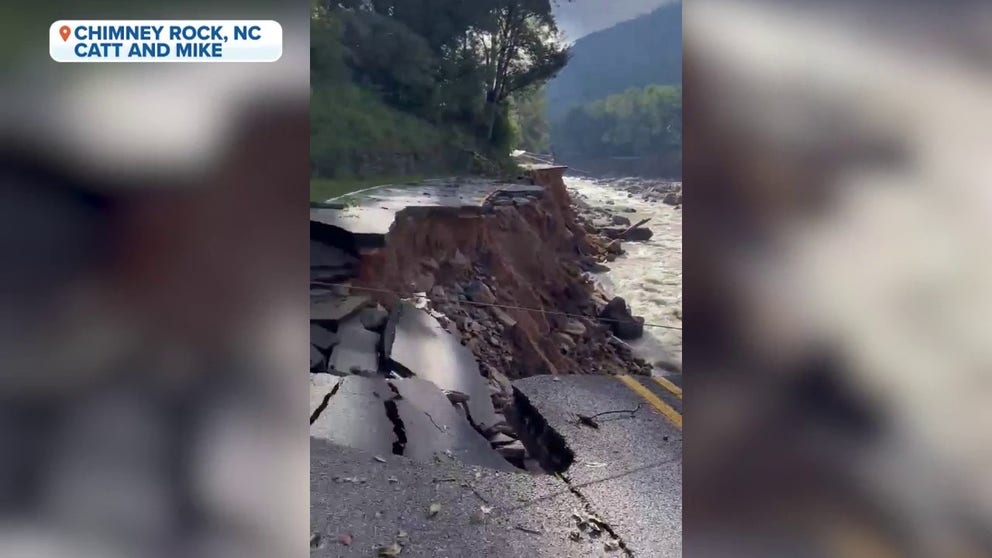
[[642, 51]]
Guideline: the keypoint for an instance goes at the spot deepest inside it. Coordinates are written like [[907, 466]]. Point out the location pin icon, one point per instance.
[[64, 31]]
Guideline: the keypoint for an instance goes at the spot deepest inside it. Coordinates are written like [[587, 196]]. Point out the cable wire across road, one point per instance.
[[484, 304]]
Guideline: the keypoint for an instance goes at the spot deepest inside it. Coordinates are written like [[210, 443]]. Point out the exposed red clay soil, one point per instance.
[[530, 257]]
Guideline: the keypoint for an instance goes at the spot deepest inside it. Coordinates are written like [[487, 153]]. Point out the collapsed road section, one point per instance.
[[428, 300]]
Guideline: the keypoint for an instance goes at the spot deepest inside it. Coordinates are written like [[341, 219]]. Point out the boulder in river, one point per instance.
[[630, 330], [673, 198], [618, 318], [637, 234]]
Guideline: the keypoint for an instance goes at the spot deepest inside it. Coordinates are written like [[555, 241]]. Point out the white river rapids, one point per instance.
[[649, 274]]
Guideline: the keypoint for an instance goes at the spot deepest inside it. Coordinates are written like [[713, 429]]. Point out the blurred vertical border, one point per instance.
[[153, 310], [837, 224]]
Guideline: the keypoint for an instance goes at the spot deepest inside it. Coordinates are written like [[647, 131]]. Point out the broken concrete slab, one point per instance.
[[320, 293], [316, 359], [332, 274], [514, 451], [434, 427], [389, 332], [335, 309], [321, 386], [322, 338], [356, 416], [373, 318], [422, 348], [367, 217], [324, 255], [356, 351]]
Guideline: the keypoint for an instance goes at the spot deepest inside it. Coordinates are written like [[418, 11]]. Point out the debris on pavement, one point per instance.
[[352, 480], [590, 421], [528, 530], [391, 550]]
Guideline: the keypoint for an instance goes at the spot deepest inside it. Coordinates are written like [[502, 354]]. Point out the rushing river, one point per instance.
[[649, 274]]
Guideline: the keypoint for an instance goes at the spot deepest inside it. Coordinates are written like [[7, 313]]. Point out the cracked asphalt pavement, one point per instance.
[[627, 477]]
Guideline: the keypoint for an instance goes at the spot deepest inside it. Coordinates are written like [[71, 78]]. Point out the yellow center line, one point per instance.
[[667, 384], [671, 414]]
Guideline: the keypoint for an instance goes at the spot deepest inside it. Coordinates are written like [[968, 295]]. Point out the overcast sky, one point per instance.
[[581, 17]]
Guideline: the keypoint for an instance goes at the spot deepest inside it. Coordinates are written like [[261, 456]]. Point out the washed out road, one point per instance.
[[422, 447], [621, 496]]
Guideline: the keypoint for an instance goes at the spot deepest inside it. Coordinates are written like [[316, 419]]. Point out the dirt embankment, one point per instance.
[[509, 282]]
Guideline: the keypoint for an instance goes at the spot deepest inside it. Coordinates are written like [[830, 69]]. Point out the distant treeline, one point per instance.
[[424, 86], [641, 123], [643, 51]]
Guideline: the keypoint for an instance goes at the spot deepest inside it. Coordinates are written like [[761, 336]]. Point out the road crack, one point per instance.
[[589, 509], [393, 413], [323, 404]]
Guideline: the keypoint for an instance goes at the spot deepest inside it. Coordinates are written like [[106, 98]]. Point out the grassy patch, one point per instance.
[[322, 189]]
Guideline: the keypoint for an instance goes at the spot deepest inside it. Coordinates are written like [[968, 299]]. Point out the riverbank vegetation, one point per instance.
[[643, 51], [641, 123], [616, 108]]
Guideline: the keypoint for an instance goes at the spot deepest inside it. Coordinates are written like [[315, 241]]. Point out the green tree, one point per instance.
[[403, 85], [530, 113], [640, 122], [520, 47]]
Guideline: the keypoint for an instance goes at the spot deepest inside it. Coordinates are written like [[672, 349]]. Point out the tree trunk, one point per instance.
[[492, 112]]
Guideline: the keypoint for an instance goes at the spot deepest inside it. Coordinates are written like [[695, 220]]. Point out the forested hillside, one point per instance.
[[641, 123], [405, 87], [643, 51]]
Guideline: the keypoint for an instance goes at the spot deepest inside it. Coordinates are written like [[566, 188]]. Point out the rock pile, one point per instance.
[[587, 342], [651, 189]]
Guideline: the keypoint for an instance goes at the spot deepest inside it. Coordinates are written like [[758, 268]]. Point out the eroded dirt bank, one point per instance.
[[509, 282]]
